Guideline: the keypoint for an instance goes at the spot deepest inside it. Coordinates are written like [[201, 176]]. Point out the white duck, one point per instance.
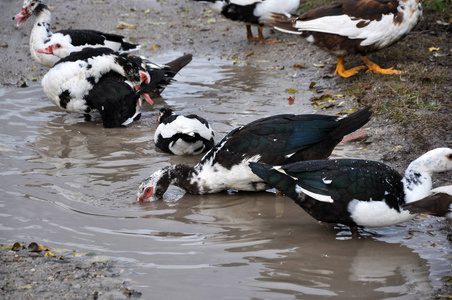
[[41, 35]]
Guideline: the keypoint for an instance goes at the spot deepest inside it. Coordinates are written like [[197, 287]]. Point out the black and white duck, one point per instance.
[[41, 35], [171, 68], [349, 27], [253, 12], [278, 139], [356, 192], [183, 135], [100, 79]]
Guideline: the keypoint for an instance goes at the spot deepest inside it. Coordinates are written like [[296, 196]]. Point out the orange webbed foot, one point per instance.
[[340, 68], [373, 67]]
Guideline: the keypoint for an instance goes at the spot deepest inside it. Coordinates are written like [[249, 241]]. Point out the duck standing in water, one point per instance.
[[41, 35], [62, 50], [356, 192], [278, 139], [100, 79]]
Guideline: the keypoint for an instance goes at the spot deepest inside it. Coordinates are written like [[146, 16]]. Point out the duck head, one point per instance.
[[29, 8], [152, 188]]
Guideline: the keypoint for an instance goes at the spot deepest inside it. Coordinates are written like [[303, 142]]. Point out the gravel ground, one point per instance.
[[28, 272]]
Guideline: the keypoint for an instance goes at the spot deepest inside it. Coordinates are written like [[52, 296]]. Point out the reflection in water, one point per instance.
[[70, 183]]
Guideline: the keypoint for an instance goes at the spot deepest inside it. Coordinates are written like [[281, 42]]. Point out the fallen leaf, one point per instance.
[[318, 65], [431, 49], [249, 54], [350, 111], [48, 253], [291, 91], [131, 293], [155, 47], [125, 25], [442, 23], [275, 68], [147, 11], [16, 247], [312, 85], [299, 66]]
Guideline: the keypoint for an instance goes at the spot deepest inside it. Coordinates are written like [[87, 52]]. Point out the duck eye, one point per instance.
[[148, 192], [449, 156], [58, 46], [144, 78]]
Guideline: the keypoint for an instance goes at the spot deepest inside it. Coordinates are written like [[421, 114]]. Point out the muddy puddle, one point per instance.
[[71, 184]]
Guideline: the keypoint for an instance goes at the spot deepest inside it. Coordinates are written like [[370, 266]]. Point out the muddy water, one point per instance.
[[70, 183]]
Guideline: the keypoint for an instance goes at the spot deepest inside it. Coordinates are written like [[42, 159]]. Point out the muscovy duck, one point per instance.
[[171, 69], [41, 35], [439, 203], [118, 99], [356, 192], [253, 12], [183, 135], [74, 84], [349, 27], [278, 139]]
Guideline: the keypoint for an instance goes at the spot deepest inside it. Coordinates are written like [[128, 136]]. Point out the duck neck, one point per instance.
[[183, 176], [41, 34], [417, 182], [41, 31]]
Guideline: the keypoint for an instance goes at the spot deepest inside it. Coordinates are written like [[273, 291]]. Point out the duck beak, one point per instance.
[[48, 50], [21, 17], [147, 98]]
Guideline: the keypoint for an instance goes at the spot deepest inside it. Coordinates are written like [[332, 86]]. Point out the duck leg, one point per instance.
[[260, 38], [340, 68], [264, 40], [249, 33], [376, 68]]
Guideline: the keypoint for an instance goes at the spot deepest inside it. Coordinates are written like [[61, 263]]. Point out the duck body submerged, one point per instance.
[[183, 135]]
